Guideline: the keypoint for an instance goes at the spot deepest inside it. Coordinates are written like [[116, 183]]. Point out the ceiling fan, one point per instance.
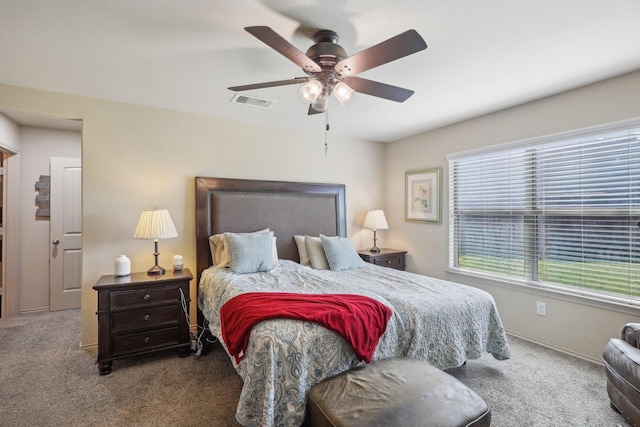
[[330, 70]]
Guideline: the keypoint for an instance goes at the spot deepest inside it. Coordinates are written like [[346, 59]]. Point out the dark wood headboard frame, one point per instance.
[[287, 208]]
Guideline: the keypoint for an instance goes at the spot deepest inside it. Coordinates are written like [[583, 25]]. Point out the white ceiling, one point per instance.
[[483, 55]]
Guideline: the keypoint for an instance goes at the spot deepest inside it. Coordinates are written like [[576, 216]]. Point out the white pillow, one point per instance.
[[274, 252], [316, 252], [302, 250], [220, 249]]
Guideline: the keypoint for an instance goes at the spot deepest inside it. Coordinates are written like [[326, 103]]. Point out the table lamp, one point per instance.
[[155, 224], [375, 220]]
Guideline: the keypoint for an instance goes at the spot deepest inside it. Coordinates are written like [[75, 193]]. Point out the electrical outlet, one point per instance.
[[541, 308]]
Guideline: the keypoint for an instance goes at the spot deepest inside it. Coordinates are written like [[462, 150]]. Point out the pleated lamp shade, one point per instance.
[[375, 220], [155, 224]]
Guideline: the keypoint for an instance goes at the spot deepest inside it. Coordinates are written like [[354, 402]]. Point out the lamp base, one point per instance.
[[155, 270], [375, 248]]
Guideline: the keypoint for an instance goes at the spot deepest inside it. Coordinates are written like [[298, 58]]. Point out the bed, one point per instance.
[[441, 322]]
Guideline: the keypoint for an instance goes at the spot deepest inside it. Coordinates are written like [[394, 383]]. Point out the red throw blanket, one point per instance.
[[358, 319]]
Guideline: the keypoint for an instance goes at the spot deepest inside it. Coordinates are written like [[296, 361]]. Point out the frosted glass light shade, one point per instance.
[[320, 104], [343, 93], [155, 224], [375, 220], [311, 90]]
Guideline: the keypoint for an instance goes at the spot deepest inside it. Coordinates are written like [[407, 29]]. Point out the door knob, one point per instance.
[[56, 242]]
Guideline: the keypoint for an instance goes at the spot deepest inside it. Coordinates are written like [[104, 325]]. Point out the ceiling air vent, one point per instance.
[[250, 100]]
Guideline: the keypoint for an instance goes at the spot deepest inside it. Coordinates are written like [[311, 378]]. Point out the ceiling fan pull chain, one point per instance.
[[326, 130]]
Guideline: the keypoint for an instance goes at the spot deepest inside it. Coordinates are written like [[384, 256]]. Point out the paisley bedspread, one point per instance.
[[442, 322]]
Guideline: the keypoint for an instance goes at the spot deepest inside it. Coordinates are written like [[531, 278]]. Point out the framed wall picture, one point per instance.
[[423, 195]]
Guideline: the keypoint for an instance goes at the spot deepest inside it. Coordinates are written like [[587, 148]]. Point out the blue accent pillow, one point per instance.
[[250, 252], [340, 253]]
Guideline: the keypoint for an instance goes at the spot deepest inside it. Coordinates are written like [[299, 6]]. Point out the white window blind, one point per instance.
[[561, 211]]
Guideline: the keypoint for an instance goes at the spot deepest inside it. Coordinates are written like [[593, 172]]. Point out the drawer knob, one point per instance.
[[146, 340], [388, 261], [146, 317], [146, 297]]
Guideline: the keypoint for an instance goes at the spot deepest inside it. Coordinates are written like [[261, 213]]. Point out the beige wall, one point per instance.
[[576, 326], [137, 157], [37, 146]]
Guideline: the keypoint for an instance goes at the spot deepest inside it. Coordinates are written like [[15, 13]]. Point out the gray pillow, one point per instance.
[[316, 253], [250, 252], [340, 253]]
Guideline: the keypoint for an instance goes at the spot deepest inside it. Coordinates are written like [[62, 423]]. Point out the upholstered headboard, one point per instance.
[[287, 208]]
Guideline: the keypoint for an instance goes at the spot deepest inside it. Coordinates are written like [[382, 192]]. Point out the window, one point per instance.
[[558, 212]]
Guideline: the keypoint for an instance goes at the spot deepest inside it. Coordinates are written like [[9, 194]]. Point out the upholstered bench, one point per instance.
[[396, 392]]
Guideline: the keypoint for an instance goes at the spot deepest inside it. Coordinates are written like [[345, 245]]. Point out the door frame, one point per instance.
[[10, 240]]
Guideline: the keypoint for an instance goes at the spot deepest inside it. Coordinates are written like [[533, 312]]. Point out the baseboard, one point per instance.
[[34, 310], [561, 350]]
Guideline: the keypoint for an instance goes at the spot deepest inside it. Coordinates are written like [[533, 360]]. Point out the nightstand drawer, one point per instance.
[[385, 257], [393, 261], [145, 319], [139, 297], [135, 343]]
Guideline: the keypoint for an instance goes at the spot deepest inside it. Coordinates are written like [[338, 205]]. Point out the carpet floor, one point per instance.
[[47, 380]]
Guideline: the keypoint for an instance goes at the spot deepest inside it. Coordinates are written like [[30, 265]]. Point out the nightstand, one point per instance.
[[140, 314], [392, 258]]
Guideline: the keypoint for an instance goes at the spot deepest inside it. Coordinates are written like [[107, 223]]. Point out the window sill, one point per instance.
[[620, 304]]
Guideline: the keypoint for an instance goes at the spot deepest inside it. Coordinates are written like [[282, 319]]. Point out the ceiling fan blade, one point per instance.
[[394, 48], [275, 41], [295, 81], [381, 90]]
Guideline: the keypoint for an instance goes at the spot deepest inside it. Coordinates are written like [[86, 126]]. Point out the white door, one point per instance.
[[65, 259]]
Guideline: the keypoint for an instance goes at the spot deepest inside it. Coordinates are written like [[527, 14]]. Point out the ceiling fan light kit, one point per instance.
[[317, 94], [330, 70]]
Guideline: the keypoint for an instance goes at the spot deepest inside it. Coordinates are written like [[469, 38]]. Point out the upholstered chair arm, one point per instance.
[[622, 366], [631, 334]]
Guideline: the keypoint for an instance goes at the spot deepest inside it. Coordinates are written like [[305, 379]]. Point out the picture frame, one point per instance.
[[423, 195]]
